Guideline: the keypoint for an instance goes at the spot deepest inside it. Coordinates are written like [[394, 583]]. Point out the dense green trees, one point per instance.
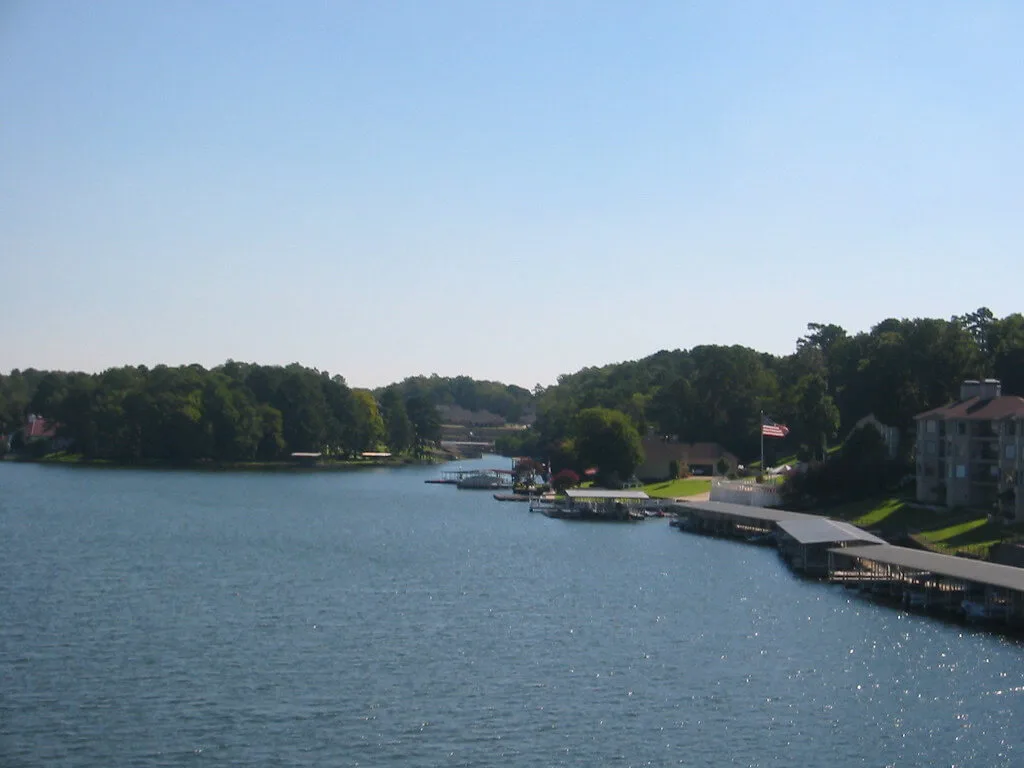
[[505, 400], [237, 412], [715, 393], [606, 439], [241, 411]]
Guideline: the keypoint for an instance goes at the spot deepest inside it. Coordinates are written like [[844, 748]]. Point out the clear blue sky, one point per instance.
[[507, 190]]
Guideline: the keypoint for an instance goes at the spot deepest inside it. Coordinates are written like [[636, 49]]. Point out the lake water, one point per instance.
[[365, 618]]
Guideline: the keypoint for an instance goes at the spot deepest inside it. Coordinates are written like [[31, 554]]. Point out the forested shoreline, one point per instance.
[[235, 412], [899, 368], [248, 412]]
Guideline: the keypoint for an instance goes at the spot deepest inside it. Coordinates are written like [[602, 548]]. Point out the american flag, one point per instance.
[[770, 429]]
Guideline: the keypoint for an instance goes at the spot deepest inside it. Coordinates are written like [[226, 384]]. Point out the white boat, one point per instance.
[[486, 480], [545, 504]]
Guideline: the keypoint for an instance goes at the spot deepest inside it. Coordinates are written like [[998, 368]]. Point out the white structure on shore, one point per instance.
[[744, 492]]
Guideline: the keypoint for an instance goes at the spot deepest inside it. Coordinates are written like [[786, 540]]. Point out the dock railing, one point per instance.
[[750, 494]]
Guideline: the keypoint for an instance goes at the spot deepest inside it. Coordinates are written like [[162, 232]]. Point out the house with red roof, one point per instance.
[[38, 428], [970, 453]]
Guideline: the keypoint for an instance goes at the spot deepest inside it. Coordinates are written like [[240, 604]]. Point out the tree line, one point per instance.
[[234, 412], [709, 393], [509, 401]]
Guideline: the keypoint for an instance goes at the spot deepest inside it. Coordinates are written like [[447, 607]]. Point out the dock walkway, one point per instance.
[[839, 552]]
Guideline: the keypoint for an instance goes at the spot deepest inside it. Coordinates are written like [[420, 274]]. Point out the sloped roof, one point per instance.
[[659, 449], [770, 514], [962, 568], [39, 427], [824, 530], [989, 408]]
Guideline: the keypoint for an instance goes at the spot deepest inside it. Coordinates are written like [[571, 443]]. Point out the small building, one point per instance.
[[38, 430], [805, 543], [700, 458]]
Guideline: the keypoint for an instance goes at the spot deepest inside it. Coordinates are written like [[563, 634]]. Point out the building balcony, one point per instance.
[[986, 453]]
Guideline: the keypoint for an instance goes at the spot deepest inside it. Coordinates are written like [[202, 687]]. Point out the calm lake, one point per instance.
[[365, 618]]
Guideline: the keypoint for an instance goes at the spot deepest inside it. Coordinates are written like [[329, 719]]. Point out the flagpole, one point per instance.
[[761, 428]]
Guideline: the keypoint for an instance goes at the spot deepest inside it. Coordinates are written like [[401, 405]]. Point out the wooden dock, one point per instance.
[[958, 588]]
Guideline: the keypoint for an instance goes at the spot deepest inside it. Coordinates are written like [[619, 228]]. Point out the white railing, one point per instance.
[[748, 494]]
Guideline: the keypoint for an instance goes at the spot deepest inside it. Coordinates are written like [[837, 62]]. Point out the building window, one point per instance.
[[1011, 427], [1010, 451], [930, 426], [961, 471], [929, 448], [961, 427]]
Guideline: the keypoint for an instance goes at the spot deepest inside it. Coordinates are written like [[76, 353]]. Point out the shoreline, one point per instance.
[[227, 466]]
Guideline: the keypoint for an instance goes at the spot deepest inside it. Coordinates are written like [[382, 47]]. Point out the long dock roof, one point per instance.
[[822, 530], [746, 512], [962, 568], [601, 493]]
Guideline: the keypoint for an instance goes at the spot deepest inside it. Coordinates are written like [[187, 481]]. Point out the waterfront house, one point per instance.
[[700, 458], [38, 428], [43, 433], [970, 453]]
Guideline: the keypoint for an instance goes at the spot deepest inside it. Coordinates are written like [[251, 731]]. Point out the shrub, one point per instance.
[[564, 479]]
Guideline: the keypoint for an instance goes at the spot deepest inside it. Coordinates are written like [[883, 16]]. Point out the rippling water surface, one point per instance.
[[157, 618]]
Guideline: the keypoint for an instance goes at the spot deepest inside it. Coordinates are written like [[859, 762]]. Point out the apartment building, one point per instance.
[[970, 453]]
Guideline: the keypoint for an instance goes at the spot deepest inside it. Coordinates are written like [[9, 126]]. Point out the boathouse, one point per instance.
[[971, 588], [721, 518], [601, 504], [805, 543]]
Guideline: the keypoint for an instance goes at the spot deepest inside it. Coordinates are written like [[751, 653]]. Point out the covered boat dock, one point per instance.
[[970, 588], [720, 518], [806, 544], [600, 504]]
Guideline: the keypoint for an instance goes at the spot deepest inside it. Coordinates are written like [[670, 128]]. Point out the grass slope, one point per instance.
[[954, 532], [690, 486]]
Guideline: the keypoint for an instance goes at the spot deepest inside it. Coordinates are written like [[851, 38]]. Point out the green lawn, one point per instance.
[[689, 486], [973, 537], [949, 531], [884, 514]]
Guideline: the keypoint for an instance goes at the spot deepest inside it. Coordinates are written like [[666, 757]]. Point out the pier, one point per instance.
[[597, 504], [719, 518], [974, 589], [838, 552]]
